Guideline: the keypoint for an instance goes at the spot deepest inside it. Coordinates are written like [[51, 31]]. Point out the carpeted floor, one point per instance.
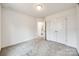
[[39, 47]]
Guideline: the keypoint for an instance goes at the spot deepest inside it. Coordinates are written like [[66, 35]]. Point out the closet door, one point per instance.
[[56, 29], [60, 30], [50, 29]]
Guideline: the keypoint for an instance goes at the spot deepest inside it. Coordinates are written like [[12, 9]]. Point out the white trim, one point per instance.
[[19, 42]]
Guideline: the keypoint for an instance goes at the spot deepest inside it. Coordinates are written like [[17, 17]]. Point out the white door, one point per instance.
[[50, 29], [56, 29], [60, 30]]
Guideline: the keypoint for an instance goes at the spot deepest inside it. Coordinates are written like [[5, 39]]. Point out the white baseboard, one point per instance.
[[19, 42]]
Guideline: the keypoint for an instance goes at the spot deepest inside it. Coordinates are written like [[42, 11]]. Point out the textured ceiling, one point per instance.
[[29, 9]]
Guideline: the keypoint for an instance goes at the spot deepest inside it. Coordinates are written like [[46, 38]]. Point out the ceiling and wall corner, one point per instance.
[[30, 9]]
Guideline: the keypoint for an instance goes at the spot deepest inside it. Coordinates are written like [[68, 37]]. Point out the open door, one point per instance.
[[40, 28]]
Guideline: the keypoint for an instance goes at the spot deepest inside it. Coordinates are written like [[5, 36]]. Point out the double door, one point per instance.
[[62, 30], [56, 29]]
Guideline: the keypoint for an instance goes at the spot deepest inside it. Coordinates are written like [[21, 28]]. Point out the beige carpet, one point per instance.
[[39, 47]]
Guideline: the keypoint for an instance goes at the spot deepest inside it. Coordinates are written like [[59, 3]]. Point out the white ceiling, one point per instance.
[[28, 8]]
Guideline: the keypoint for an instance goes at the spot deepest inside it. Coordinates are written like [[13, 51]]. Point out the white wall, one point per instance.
[[77, 25], [0, 26], [17, 27], [68, 29], [78, 28]]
